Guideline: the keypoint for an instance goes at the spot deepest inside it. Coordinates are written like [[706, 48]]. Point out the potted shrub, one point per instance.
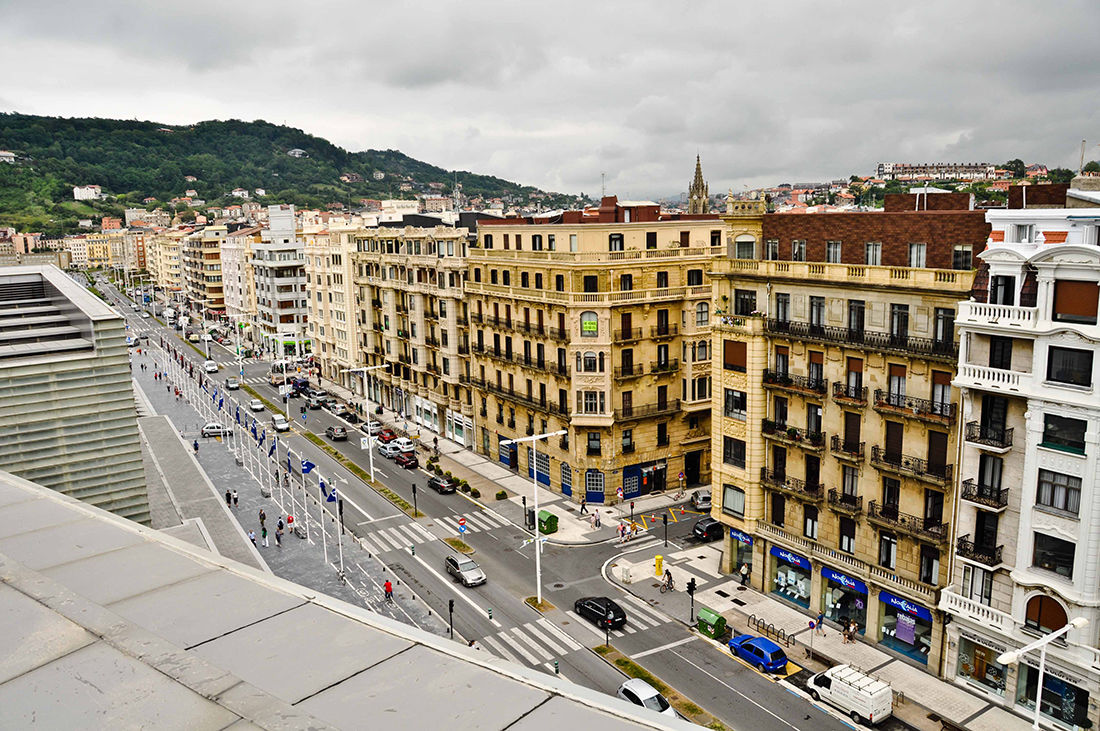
[[502, 495], [792, 433], [475, 493]]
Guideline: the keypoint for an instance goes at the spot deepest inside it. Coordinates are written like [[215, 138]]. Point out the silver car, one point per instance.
[[465, 569]]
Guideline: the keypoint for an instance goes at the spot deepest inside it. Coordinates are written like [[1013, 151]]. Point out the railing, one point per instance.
[[900, 403], [665, 366], [911, 465], [1011, 315], [985, 376], [844, 501], [429, 340], [429, 315], [991, 436], [795, 383], [555, 333], [989, 555], [508, 393], [641, 412], [628, 448], [802, 437], [478, 317], [944, 349], [890, 515], [588, 257], [631, 371], [844, 448], [985, 616], [791, 484], [664, 331], [630, 333], [844, 393], [994, 497], [462, 320], [433, 368]]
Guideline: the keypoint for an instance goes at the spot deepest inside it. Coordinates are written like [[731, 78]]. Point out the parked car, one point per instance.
[[372, 428], [406, 460], [279, 422], [386, 435], [336, 433], [760, 652], [388, 451], [351, 418], [256, 405], [210, 366], [145, 315], [866, 699], [405, 444], [313, 402], [232, 383], [338, 409], [214, 429], [641, 693], [707, 529], [600, 611], [193, 337], [316, 393], [700, 500], [465, 569], [441, 485]]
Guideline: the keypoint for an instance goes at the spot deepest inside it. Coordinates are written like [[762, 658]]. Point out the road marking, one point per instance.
[[516, 636], [500, 650], [533, 628], [564, 636], [448, 524], [584, 623], [662, 648], [722, 682], [446, 581]]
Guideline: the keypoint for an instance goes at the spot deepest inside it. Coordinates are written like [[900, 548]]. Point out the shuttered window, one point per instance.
[[1075, 302], [734, 355]]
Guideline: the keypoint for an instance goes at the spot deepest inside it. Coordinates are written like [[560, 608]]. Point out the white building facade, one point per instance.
[[278, 265]]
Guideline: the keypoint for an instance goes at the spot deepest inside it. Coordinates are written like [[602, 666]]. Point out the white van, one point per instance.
[[866, 699]]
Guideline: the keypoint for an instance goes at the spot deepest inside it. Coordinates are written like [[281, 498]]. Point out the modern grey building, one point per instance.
[[278, 265], [67, 415]]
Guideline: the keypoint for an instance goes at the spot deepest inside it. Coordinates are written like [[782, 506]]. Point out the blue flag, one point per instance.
[[238, 414], [321, 484], [221, 403], [289, 467], [332, 496], [260, 441], [274, 441], [254, 429], [204, 388], [307, 466]]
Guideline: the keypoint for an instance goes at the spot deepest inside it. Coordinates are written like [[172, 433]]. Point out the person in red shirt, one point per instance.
[[388, 588]]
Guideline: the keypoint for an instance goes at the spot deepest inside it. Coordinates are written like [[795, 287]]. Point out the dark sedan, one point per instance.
[[600, 611]]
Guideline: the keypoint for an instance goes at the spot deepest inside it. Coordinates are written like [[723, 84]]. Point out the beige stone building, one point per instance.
[[201, 270], [596, 322], [163, 260], [332, 305]]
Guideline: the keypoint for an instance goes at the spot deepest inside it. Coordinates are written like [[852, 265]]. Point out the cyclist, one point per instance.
[[669, 585]]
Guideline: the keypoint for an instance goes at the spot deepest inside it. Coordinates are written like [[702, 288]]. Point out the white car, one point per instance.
[[404, 444], [145, 315], [641, 693], [389, 451], [256, 405], [372, 428], [210, 366], [280, 423], [214, 429]]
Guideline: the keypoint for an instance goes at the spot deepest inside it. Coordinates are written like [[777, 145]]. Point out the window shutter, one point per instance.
[[855, 365], [897, 371], [816, 357], [1076, 299]]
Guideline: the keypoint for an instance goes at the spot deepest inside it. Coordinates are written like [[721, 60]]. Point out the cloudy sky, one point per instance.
[[555, 93]]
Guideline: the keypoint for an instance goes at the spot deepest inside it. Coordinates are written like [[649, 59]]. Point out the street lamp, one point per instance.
[[370, 450], [535, 489], [1012, 657]]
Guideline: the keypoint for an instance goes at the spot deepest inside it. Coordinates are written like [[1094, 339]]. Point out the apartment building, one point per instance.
[[278, 266], [834, 416], [163, 261], [238, 283], [1027, 551], [332, 310], [201, 270], [596, 322], [414, 320]]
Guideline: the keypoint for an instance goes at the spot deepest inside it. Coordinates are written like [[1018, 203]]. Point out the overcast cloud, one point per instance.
[[554, 94]]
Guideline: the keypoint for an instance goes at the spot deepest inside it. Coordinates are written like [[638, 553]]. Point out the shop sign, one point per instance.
[[1053, 671], [740, 536], [792, 558], [983, 641], [905, 605], [846, 581]]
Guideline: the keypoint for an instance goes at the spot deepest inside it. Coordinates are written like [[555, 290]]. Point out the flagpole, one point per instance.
[[321, 504]]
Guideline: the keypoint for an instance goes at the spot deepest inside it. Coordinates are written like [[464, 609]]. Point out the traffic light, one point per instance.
[[451, 606], [303, 410], [691, 586], [664, 518]]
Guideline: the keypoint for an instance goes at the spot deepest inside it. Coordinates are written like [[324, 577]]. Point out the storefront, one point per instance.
[[977, 663], [460, 428], [426, 413], [1064, 700], [843, 599], [791, 576], [906, 627], [742, 549]]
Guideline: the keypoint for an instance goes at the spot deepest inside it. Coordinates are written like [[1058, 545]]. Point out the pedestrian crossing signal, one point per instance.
[[691, 586]]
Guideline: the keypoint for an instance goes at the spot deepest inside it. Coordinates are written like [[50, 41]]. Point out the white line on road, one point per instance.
[[722, 682], [459, 594], [662, 648], [379, 520], [500, 650]]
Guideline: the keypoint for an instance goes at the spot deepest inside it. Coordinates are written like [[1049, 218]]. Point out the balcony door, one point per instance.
[[894, 432], [852, 422], [933, 507], [937, 453], [985, 531]]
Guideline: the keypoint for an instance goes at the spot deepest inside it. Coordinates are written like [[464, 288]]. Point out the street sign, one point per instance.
[[619, 492], [462, 521], [461, 529], [681, 476], [364, 442]]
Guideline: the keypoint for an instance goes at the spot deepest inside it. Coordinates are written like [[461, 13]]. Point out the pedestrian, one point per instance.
[[263, 516], [584, 506], [388, 588], [474, 645], [263, 534], [592, 521], [252, 536], [196, 447], [744, 573], [235, 504], [228, 498], [280, 525], [279, 537], [598, 521], [819, 625], [853, 630]]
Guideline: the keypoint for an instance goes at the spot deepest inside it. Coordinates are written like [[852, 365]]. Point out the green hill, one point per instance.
[[133, 160]]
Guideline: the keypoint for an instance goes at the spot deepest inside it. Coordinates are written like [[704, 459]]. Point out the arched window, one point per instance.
[[702, 314], [701, 351], [1045, 614], [589, 362], [745, 247], [590, 325]]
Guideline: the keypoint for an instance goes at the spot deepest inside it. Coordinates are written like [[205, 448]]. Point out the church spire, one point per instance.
[[698, 195]]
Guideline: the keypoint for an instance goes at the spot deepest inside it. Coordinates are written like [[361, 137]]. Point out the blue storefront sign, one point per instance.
[[792, 558], [740, 536], [905, 605], [846, 581]]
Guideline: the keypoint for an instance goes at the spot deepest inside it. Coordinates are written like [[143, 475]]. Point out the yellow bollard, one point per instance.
[[659, 567]]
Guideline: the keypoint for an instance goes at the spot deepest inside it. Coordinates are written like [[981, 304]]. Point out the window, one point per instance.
[[977, 584], [1002, 290], [628, 440], [662, 280], [733, 500], [895, 394], [832, 252], [929, 565], [615, 242], [593, 479], [1000, 352], [733, 451], [566, 477], [817, 313], [813, 419], [559, 282], [593, 442], [1075, 302], [626, 282], [735, 404], [888, 551], [715, 238], [798, 250], [591, 283], [916, 255], [593, 402], [651, 239], [525, 280], [744, 301], [702, 314], [734, 355], [782, 307], [590, 325], [962, 257], [550, 242], [1064, 433], [1065, 365], [1045, 614], [872, 253], [1059, 492], [899, 323], [695, 277], [779, 509], [488, 239], [856, 316], [1024, 233], [662, 434], [745, 248], [945, 325], [492, 276], [538, 280], [1053, 554], [809, 522], [506, 278], [771, 249], [589, 362], [536, 242], [847, 535], [849, 482]]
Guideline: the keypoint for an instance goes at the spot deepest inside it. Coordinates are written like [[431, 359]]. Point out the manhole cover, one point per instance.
[[558, 585]]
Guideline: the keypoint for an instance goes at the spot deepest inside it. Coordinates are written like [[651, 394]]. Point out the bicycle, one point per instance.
[[668, 585]]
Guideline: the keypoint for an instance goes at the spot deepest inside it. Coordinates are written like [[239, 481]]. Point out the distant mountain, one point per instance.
[[134, 160]]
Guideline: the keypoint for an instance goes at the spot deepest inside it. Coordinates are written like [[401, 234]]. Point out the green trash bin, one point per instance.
[[711, 623], [548, 522]]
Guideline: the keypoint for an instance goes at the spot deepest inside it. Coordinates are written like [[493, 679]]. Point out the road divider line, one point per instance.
[[662, 648], [748, 698]]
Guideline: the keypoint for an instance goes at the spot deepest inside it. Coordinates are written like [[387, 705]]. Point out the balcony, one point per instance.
[[463, 349], [433, 368], [696, 404], [462, 321], [844, 503], [915, 466], [433, 342], [846, 450], [554, 333], [793, 485], [985, 616], [664, 331], [793, 435], [376, 303], [982, 313], [849, 395], [797, 384], [630, 371], [664, 366], [993, 379], [889, 515], [429, 315], [936, 412], [990, 437], [984, 495], [630, 334], [988, 555], [866, 339], [478, 317], [641, 412], [628, 448]]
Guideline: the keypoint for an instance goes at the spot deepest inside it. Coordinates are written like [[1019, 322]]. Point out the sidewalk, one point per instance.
[[924, 693]]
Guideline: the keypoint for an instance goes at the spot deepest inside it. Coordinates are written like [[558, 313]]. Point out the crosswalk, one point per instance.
[[475, 522], [403, 535], [639, 616], [537, 644]]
